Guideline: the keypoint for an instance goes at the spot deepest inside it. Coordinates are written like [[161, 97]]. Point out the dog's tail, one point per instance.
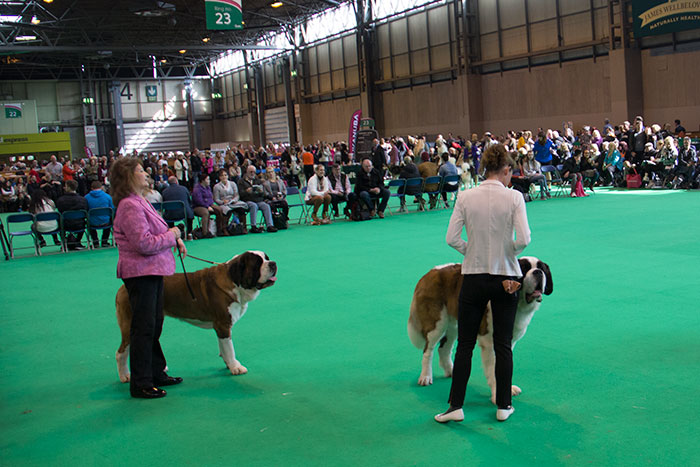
[[414, 332]]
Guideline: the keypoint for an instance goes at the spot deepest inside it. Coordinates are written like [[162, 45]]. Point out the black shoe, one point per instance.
[[272, 229], [255, 229], [208, 235], [105, 244], [95, 245], [148, 393], [42, 244], [168, 381]]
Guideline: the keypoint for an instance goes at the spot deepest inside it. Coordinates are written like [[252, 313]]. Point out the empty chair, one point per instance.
[[295, 199], [20, 225]]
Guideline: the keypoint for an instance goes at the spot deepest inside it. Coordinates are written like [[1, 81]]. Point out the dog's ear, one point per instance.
[[549, 287], [236, 271], [524, 266]]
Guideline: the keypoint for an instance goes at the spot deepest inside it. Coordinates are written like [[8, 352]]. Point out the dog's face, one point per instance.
[[537, 279], [252, 270]]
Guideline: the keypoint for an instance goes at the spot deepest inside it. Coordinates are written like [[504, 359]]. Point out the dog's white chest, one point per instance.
[[236, 310]]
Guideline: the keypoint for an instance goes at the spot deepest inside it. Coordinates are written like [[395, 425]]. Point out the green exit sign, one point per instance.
[[88, 100], [224, 14], [216, 95]]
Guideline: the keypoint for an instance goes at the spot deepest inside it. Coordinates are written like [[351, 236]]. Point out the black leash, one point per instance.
[[187, 281]]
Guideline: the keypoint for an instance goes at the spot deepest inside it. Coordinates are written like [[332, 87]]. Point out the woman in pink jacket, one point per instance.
[[144, 242]]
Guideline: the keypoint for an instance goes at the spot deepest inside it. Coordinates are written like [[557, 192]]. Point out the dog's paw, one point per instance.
[[125, 378], [425, 380], [515, 390], [238, 370]]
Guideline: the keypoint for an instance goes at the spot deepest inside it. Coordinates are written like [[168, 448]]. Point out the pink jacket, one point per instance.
[[143, 240]]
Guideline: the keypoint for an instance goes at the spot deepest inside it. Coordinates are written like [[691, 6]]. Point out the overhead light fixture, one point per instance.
[[276, 4], [48, 1], [25, 38], [182, 51], [206, 39], [35, 20], [163, 60], [10, 18]]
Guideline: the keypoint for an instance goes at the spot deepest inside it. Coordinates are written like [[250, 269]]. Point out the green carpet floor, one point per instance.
[[607, 367]]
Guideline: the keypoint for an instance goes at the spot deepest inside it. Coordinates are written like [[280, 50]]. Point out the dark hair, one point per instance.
[[495, 158], [38, 198], [96, 185], [445, 156], [121, 178], [72, 185]]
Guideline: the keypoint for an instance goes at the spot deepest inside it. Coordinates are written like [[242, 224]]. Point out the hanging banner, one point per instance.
[[13, 110], [354, 128], [653, 17], [224, 14]]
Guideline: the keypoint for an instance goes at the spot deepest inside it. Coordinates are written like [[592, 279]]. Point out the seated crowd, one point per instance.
[[226, 190]]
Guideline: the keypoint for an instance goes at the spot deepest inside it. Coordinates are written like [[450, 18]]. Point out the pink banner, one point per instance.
[[354, 128]]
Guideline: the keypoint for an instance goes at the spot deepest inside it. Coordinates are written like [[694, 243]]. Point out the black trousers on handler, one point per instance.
[[146, 357], [477, 291]]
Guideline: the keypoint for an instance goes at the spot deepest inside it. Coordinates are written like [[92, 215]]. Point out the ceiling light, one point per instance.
[[10, 18], [276, 4], [48, 1], [206, 39], [182, 51], [25, 38], [35, 20], [164, 60]]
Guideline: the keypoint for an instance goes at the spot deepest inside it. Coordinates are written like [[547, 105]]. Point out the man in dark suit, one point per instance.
[[370, 183], [177, 192], [378, 156], [72, 201]]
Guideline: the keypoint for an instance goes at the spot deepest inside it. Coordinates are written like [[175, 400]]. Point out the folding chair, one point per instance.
[[4, 242], [414, 182], [174, 211], [563, 184], [555, 180], [101, 213], [18, 220], [78, 215], [436, 182], [452, 181], [397, 186], [294, 191], [158, 207], [47, 217]]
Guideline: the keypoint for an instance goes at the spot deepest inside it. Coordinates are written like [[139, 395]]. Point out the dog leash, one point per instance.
[[187, 281], [203, 260]]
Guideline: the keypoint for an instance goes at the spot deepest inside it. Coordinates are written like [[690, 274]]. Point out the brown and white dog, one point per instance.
[[434, 311], [222, 295]]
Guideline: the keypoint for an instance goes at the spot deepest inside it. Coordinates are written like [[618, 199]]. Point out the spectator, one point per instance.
[[177, 192], [341, 191], [151, 194], [227, 197], [72, 201], [531, 170], [408, 171], [307, 159], [448, 168], [543, 150], [370, 182], [572, 172], [317, 194], [378, 156], [667, 158], [685, 165], [204, 207], [181, 167], [68, 172], [679, 131], [97, 198], [612, 164], [253, 193], [428, 169], [8, 196], [54, 168], [41, 203], [276, 191]]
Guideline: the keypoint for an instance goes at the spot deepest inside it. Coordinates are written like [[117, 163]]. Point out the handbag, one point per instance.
[[280, 221], [634, 180]]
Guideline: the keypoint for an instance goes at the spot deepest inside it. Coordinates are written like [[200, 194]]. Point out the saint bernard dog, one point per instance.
[[434, 311], [222, 295]]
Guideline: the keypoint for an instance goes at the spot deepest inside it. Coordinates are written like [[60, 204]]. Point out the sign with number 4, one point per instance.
[[224, 14]]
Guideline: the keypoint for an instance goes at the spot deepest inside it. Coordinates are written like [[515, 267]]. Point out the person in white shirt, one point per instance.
[[318, 192], [491, 213]]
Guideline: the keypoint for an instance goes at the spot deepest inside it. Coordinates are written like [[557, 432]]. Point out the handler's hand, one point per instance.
[[181, 247], [176, 231]]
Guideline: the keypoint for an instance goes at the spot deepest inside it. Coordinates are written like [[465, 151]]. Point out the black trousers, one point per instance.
[[477, 291], [146, 357]]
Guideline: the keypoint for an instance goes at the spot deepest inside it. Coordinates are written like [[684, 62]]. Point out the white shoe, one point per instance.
[[454, 416], [503, 414]]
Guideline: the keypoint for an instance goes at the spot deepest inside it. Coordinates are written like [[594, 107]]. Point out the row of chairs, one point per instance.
[[23, 225]]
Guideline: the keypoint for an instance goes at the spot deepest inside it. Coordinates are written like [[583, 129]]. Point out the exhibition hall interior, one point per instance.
[[379, 163]]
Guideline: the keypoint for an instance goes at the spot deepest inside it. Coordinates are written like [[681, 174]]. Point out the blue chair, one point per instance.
[[101, 213], [554, 179], [294, 191], [417, 184], [158, 207], [434, 194], [73, 217], [395, 188], [48, 217], [174, 211], [18, 220], [453, 182]]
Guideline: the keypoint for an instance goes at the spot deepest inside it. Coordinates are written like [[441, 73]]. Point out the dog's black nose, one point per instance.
[[538, 272], [273, 267]]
